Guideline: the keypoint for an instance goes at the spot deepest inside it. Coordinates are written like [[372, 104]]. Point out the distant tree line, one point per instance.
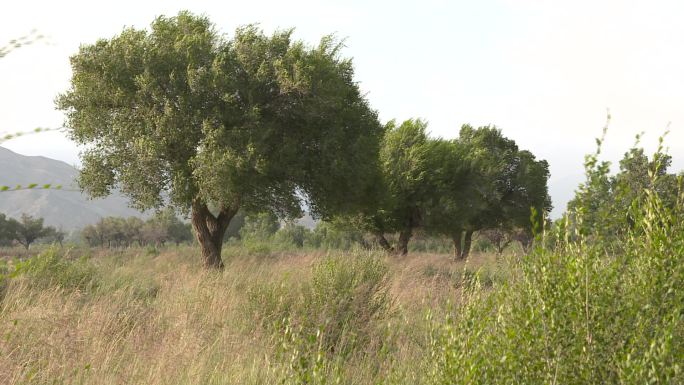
[[26, 231], [164, 227], [479, 182]]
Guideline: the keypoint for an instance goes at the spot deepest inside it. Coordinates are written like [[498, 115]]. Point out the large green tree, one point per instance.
[[487, 184], [414, 170], [456, 195], [212, 124], [407, 168]]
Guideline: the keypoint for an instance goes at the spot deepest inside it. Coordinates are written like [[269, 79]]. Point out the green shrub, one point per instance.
[[151, 251], [483, 245], [292, 235], [259, 227], [4, 277], [319, 323], [257, 247], [51, 268], [344, 299], [576, 312], [335, 236]]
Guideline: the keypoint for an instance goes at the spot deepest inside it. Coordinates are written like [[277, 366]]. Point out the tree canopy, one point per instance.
[[26, 231], [180, 112]]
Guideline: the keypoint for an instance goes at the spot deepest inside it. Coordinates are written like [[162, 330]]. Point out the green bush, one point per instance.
[[51, 268], [575, 312], [336, 314], [256, 247], [4, 277], [343, 300], [259, 227], [483, 245], [292, 235], [335, 236]]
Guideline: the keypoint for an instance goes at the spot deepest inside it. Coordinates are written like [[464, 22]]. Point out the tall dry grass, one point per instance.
[[134, 317]]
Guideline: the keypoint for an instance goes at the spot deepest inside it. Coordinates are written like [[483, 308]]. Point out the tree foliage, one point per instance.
[[4, 51], [255, 122], [478, 181], [502, 188], [26, 231], [406, 170]]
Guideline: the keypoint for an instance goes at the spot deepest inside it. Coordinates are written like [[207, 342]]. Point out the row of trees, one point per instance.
[[478, 181], [180, 115], [164, 227], [26, 231]]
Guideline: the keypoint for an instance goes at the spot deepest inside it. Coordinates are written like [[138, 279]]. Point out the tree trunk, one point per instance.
[[382, 241], [402, 246], [499, 248], [526, 245], [457, 237], [467, 241], [210, 230]]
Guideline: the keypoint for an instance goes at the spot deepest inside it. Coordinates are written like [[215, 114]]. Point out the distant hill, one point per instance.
[[66, 209]]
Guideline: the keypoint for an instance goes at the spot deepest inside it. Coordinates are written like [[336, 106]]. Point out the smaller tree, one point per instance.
[[293, 233], [55, 235], [133, 230], [172, 228], [409, 163], [499, 238], [260, 226], [92, 236], [486, 183], [8, 229], [30, 229]]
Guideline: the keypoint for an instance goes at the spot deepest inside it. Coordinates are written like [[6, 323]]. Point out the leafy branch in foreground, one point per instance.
[[36, 130], [13, 44], [31, 186], [22, 41]]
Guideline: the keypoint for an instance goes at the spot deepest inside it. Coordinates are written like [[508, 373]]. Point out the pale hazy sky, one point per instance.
[[543, 71]]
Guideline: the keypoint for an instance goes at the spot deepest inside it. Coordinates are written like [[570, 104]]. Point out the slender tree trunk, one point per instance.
[[457, 237], [404, 237], [467, 242], [382, 241], [210, 230], [499, 248], [526, 245]]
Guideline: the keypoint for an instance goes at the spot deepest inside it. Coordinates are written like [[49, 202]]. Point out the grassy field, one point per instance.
[[576, 310], [140, 317]]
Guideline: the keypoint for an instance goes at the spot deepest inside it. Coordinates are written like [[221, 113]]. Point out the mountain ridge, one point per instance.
[[64, 208]]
